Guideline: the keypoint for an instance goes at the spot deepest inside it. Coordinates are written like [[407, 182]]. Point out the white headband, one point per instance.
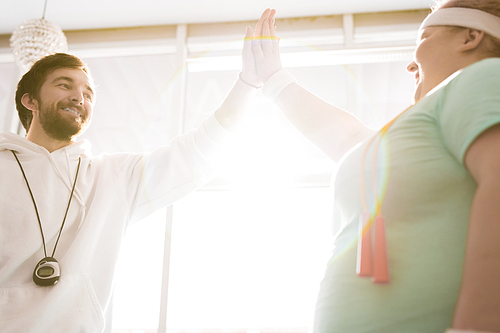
[[464, 17]]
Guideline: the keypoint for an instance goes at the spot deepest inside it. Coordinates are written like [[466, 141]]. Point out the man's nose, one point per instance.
[[77, 97]]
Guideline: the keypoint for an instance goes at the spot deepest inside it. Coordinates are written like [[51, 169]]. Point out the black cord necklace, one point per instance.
[[47, 271]]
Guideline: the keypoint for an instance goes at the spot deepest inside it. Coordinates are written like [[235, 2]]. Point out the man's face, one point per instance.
[[65, 103]]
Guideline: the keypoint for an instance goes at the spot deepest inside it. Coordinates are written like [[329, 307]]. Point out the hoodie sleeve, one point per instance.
[[157, 179]]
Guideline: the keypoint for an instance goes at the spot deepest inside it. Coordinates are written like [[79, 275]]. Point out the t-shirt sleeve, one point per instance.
[[469, 105]]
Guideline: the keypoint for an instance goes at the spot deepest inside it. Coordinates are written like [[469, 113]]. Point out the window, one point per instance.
[[246, 252]]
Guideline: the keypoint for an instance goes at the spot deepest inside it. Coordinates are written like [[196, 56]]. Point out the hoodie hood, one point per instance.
[[59, 159], [22, 146]]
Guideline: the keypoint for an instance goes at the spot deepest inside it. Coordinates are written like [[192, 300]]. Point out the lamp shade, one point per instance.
[[35, 39]]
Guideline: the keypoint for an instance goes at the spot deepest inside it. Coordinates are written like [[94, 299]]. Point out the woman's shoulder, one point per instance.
[[485, 69], [479, 79]]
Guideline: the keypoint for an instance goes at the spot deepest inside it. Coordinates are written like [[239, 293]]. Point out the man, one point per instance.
[[64, 211]]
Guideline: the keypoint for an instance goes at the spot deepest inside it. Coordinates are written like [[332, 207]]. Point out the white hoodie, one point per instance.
[[112, 190]]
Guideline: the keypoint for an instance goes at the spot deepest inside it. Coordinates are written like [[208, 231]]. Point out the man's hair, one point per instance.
[[489, 6], [32, 81]]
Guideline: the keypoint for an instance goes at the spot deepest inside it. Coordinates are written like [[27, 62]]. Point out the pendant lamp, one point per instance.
[[34, 39]]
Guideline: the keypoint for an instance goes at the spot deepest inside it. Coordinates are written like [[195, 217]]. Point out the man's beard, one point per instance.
[[59, 127]]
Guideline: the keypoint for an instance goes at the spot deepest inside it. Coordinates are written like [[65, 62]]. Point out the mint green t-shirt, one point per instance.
[[428, 193]]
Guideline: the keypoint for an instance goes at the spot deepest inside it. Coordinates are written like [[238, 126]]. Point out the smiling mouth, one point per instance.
[[417, 77], [73, 111]]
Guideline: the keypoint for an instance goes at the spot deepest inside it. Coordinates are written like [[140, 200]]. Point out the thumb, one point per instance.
[[249, 34], [247, 41]]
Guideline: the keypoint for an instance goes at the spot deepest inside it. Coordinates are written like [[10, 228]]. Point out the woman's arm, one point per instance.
[[332, 129], [478, 305]]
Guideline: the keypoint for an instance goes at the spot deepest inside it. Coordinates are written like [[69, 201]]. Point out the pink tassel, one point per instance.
[[364, 260], [381, 265]]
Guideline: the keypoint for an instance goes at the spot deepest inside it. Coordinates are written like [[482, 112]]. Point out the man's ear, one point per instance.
[[29, 102], [472, 39]]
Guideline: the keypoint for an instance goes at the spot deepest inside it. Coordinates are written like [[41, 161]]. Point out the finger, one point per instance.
[[272, 28], [260, 23], [252, 40], [248, 34], [272, 33], [272, 16], [248, 62], [272, 13], [266, 36], [247, 42]]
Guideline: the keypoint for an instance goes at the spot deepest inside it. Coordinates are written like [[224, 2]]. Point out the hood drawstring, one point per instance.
[[22, 146], [64, 178]]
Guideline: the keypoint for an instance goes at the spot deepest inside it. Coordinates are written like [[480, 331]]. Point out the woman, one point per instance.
[[416, 244]]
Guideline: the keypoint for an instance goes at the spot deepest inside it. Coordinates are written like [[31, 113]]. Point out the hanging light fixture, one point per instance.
[[35, 39]]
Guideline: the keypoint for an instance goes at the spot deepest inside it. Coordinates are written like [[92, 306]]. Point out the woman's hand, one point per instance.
[[265, 46]]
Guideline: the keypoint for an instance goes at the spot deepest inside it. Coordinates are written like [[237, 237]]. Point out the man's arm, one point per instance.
[[478, 305], [232, 111]]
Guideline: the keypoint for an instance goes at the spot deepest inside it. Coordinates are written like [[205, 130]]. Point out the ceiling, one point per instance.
[[96, 14]]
